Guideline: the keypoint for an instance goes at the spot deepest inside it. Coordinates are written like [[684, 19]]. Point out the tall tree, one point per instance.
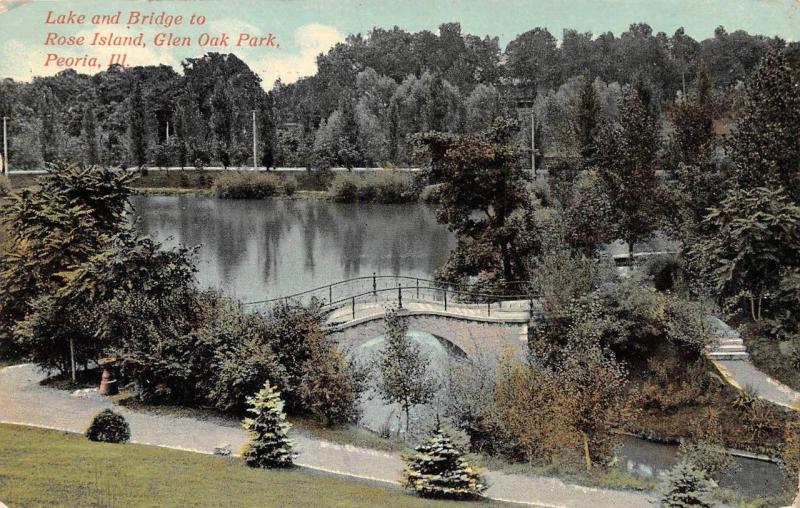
[[405, 377], [586, 119], [483, 198], [532, 60], [222, 122], [753, 239], [89, 132], [137, 126], [765, 146], [627, 166], [49, 131], [699, 184]]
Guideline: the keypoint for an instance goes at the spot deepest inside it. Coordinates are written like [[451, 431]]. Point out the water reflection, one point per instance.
[[256, 250]]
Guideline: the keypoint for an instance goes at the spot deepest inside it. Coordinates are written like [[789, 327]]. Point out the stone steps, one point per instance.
[[727, 343]]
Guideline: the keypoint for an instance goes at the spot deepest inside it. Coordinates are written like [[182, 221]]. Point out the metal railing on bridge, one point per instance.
[[387, 288]]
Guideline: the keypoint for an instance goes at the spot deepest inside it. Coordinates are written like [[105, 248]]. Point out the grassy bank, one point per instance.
[[49, 468], [367, 187]]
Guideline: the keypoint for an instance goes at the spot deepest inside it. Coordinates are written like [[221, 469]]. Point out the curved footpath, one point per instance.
[[23, 401], [729, 354]]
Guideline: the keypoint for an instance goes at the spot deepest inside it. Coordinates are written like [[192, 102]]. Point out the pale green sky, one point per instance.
[[305, 28]]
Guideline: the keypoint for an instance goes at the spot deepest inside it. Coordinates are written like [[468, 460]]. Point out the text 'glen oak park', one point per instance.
[[127, 38]]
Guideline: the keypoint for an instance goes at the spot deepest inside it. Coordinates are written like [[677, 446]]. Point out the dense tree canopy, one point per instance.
[[382, 86]]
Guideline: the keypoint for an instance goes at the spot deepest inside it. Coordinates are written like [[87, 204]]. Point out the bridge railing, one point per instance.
[[471, 302], [342, 290]]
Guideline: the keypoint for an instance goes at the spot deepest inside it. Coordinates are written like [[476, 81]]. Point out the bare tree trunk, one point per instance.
[[753, 308], [72, 358], [408, 419], [586, 456]]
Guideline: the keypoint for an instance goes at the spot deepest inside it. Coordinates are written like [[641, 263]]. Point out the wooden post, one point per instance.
[[445, 298], [354, 307], [400, 294], [374, 285], [489, 308], [417, 289]]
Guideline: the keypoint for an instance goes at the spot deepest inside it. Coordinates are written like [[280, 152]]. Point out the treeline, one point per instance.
[[369, 94], [140, 116]]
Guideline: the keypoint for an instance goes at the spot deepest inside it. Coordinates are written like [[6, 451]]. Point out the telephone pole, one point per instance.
[[533, 141], [255, 159], [5, 147]]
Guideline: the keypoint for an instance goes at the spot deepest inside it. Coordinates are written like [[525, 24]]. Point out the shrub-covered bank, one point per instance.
[[78, 284]]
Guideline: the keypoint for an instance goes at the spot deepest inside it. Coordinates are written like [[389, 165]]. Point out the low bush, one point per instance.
[[438, 470], [429, 194], [393, 187], [685, 485], [5, 186], [109, 427], [343, 189], [709, 457], [289, 185], [378, 187], [663, 269], [246, 185]]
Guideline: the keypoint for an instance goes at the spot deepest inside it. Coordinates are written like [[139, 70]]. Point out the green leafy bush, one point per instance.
[[289, 185], [378, 187], [429, 194], [343, 189], [109, 427], [438, 470], [663, 269], [5, 186], [243, 358], [685, 485], [707, 456], [246, 185], [270, 447], [393, 187]]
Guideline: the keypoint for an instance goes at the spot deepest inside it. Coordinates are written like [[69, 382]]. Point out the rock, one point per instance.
[[222, 450]]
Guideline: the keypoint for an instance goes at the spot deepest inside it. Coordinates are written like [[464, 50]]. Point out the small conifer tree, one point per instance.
[[271, 446], [438, 469], [686, 485]]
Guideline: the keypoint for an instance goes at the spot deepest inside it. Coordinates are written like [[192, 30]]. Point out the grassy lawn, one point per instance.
[[49, 468]]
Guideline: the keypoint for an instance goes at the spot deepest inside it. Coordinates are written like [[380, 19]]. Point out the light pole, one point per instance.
[[5, 147], [255, 164]]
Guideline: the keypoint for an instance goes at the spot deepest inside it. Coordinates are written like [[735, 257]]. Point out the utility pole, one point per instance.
[[255, 159], [5, 147], [533, 141]]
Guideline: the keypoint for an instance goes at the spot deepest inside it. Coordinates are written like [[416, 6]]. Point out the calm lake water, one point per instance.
[[257, 250]]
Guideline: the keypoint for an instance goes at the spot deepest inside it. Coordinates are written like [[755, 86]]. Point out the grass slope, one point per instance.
[[49, 468]]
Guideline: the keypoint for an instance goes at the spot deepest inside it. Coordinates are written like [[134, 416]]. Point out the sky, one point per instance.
[[305, 28]]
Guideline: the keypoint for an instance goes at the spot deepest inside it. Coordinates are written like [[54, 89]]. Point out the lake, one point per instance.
[[257, 250]]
